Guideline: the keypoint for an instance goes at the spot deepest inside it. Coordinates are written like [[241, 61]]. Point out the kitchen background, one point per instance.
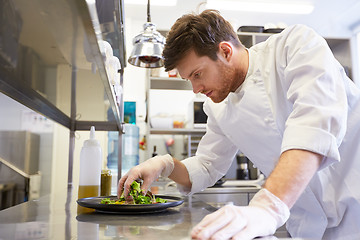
[[25, 133]]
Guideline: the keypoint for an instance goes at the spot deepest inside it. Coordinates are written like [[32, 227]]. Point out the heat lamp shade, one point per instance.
[[148, 47], [147, 55]]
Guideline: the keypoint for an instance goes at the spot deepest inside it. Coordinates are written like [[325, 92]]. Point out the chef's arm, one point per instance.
[[269, 208], [292, 174], [180, 174]]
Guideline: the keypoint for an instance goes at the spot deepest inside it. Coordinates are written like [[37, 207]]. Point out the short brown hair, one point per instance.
[[201, 32]]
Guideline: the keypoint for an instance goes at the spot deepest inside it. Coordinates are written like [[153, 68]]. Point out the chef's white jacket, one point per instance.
[[296, 95]]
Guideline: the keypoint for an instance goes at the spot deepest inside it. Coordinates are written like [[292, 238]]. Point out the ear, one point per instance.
[[226, 50]]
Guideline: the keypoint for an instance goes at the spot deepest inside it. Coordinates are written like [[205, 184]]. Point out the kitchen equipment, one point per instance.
[[21, 150], [242, 171], [130, 148], [130, 112], [219, 182], [161, 122], [113, 150], [273, 30], [196, 115], [154, 154], [148, 46], [258, 29]]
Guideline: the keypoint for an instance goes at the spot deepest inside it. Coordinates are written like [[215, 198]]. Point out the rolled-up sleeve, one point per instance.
[[315, 87]]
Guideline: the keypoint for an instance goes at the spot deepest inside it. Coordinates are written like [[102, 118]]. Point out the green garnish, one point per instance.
[[137, 197], [106, 201], [160, 200]]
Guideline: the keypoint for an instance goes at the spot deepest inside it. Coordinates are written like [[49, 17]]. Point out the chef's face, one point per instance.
[[215, 79]]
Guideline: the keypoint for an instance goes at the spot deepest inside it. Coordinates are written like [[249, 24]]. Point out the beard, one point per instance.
[[228, 79]]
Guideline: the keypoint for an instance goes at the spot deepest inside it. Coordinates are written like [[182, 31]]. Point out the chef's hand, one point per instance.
[[262, 217], [148, 171]]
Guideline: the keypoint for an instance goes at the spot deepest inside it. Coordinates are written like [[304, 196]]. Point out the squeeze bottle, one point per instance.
[[90, 170]]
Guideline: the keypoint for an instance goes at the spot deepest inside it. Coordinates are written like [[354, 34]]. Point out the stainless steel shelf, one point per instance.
[[169, 83], [52, 34], [183, 131], [254, 34], [50, 66]]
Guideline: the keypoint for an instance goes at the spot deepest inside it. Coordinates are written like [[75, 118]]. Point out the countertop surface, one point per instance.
[[55, 217]]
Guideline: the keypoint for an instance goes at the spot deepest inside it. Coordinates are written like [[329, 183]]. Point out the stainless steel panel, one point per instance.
[[219, 200], [51, 216], [21, 148]]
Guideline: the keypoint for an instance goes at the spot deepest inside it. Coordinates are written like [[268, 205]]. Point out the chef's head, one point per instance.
[[199, 32]]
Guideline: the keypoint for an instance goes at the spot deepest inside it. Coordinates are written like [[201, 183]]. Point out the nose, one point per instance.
[[197, 88]]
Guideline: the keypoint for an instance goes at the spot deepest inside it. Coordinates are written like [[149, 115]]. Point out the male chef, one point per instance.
[[285, 103]]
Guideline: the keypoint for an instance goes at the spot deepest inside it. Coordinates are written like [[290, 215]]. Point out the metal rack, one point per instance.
[[48, 34]]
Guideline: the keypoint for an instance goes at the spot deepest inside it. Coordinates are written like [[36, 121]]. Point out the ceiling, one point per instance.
[[330, 18]]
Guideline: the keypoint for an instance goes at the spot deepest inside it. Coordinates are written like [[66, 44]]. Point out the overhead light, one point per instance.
[[148, 46], [287, 7], [161, 3]]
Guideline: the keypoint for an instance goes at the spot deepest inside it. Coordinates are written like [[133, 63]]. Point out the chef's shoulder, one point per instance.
[[300, 31], [289, 41], [297, 34], [297, 28]]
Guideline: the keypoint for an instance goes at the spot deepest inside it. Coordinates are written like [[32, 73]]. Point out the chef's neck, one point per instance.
[[241, 64]]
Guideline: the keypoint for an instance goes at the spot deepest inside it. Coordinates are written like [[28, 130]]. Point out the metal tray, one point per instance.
[[258, 29]]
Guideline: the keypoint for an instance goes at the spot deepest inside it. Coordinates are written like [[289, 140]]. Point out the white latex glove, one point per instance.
[[262, 217], [148, 171]]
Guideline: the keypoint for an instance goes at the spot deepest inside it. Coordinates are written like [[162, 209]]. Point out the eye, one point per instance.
[[197, 75]]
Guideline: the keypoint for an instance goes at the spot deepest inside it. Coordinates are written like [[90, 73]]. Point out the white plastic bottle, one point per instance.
[[90, 169]]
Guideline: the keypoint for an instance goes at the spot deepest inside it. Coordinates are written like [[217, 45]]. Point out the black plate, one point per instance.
[[94, 202]]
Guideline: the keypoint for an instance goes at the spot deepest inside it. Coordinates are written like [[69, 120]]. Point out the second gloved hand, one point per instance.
[[148, 171], [262, 217]]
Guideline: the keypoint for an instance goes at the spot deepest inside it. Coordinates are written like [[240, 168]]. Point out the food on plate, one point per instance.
[[137, 197]]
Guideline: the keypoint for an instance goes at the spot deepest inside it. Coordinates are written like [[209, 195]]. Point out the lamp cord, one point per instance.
[[148, 12]]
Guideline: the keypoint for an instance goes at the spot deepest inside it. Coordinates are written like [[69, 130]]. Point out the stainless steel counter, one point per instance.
[[55, 217]]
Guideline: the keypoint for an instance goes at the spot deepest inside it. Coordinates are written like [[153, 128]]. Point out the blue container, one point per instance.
[[130, 148], [130, 112], [112, 158]]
